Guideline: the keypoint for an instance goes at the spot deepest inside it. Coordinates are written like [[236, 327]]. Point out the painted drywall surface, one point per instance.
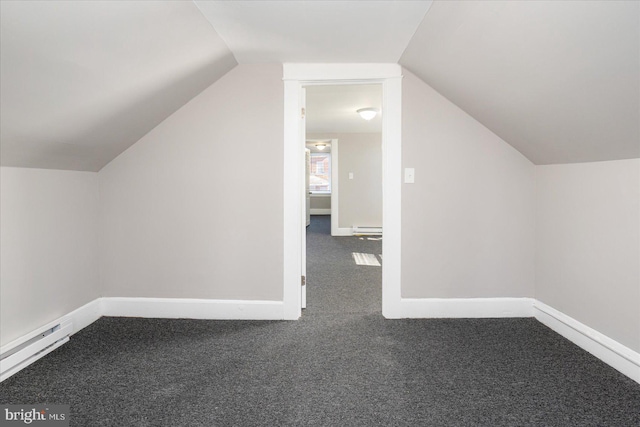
[[556, 79], [321, 202], [83, 81], [48, 246], [468, 221], [588, 245], [360, 198], [298, 31], [194, 209]]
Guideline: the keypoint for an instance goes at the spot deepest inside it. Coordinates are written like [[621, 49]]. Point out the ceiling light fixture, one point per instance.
[[368, 113], [321, 146]]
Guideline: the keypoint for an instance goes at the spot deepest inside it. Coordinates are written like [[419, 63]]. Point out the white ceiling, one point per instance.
[[332, 109], [315, 31], [560, 80], [82, 81]]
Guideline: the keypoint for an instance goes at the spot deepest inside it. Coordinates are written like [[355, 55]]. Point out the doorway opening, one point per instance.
[[343, 180], [296, 78]]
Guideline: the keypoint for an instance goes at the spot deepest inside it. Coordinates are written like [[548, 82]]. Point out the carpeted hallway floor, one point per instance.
[[336, 285], [342, 364]]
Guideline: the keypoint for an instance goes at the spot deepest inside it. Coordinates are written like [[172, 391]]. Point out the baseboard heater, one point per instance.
[[367, 231], [21, 353]]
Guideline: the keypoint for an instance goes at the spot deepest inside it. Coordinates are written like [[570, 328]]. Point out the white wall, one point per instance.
[[321, 201], [588, 245], [194, 209], [360, 198], [468, 222], [48, 246]]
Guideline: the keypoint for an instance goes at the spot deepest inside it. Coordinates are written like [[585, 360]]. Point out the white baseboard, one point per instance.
[[606, 349], [348, 231], [183, 308], [140, 307], [601, 346], [86, 315], [319, 211], [22, 352], [464, 307], [80, 317]]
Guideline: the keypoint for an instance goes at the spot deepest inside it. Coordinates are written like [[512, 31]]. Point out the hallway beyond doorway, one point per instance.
[[335, 283]]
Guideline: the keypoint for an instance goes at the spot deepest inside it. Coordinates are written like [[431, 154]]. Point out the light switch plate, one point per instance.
[[409, 175], [350, 175]]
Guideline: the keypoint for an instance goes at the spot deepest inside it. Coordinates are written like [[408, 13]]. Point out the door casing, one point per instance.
[[296, 77]]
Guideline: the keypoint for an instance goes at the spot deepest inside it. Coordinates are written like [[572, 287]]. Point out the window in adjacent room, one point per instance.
[[320, 180]]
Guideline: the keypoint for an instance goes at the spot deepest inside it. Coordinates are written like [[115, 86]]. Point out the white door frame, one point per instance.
[[296, 76], [335, 188]]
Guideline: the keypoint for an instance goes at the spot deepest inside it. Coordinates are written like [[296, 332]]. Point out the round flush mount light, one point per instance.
[[321, 146], [368, 113]]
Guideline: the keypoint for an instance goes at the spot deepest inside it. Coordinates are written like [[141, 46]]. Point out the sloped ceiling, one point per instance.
[[315, 31], [82, 81], [558, 80]]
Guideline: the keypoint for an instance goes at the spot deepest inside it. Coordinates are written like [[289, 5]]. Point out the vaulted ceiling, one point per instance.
[[558, 80], [82, 81]]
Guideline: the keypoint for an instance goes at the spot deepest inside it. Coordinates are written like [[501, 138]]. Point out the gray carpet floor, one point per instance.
[[342, 364]]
